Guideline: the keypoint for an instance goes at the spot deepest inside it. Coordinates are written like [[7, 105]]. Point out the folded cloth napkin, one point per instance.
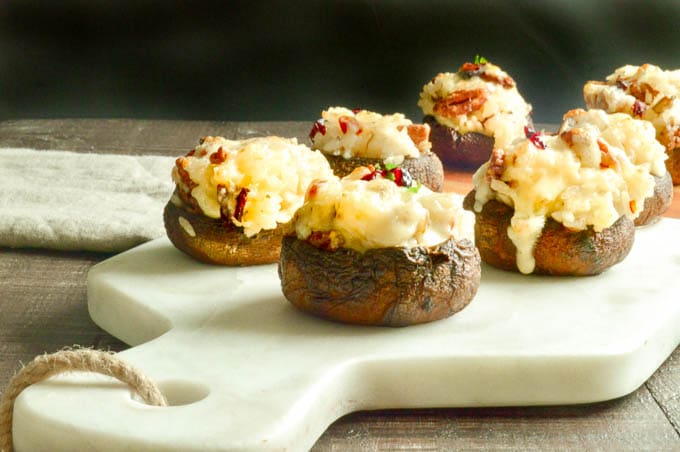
[[72, 201]]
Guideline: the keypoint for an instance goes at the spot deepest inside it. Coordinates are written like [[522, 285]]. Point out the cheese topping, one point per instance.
[[362, 133], [595, 170], [646, 92], [478, 98], [362, 215], [254, 183]]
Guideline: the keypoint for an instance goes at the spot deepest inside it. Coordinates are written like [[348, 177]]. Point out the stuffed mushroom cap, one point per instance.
[[581, 178], [644, 92], [366, 250], [353, 138], [241, 192], [471, 111]]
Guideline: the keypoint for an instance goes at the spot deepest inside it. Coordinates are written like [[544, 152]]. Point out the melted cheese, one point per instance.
[[380, 214], [503, 115], [594, 171], [275, 172], [367, 134]]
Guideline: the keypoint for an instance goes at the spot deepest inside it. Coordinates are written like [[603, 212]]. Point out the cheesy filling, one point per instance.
[[362, 133], [255, 183], [362, 215], [645, 92], [595, 170], [477, 102]]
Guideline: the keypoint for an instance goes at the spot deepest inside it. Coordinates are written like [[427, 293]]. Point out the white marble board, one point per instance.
[[244, 370]]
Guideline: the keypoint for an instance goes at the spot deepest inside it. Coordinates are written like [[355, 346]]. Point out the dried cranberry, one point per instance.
[[241, 203], [534, 137], [371, 175], [317, 127], [622, 85], [399, 176], [639, 108], [402, 177], [347, 122], [469, 70], [357, 110]]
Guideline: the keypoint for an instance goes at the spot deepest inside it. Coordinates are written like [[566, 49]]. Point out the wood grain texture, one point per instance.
[[43, 308]]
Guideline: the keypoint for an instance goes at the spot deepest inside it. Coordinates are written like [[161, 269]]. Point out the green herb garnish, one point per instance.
[[480, 59]]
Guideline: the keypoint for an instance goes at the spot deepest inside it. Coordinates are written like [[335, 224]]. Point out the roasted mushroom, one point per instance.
[[396, 286], [366, 251], [214, 241], [659, 202], [558, 250]]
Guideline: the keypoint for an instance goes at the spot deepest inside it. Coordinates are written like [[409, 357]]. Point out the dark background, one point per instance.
[[268, 60]]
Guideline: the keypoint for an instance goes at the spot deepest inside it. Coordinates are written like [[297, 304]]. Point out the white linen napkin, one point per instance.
[[73, 201]]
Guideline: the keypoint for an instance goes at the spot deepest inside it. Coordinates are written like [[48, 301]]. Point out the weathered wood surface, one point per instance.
[[43, 307]]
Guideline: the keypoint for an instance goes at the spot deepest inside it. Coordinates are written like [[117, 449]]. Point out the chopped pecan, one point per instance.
[[606, 160], [662, 104], [417, 132], [505, 82], [670, 137], [643, 92], [496, 164], [568, 136], [218, 157], [460, 102], [181, 164]]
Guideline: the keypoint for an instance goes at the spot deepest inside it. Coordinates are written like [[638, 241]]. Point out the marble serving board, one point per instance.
[[244, 370]]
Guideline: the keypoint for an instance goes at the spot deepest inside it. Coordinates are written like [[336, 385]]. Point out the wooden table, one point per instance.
[[43, 307]]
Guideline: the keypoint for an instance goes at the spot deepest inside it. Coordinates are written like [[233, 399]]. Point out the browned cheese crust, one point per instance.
[[659, 202], [558, 251], [214, 242], [386, 287], [426, 169]]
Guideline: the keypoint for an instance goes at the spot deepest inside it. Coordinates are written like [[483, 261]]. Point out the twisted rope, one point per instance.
[[45, 366]]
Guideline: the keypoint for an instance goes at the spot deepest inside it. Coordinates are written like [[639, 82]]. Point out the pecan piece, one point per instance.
[[417, 132], [606, 160], [218, 157], [460, 102], [496, 164], [505, 82], [643, 92]]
